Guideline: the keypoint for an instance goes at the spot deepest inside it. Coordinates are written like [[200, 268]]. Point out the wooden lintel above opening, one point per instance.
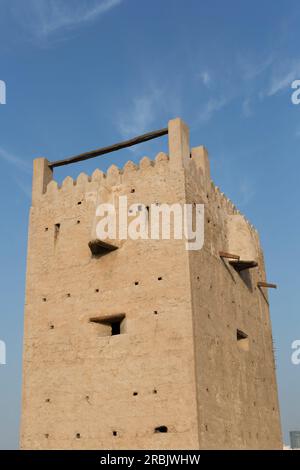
[[224, 254]]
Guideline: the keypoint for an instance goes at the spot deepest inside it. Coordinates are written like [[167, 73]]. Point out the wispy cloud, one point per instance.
[[253, 69], [205, 77], [21, 171], [17, 162], [272, 74], [45, 17], [141, 114], [246, 192], [246, 108], [139, 117], [243, 82], [283, 76], [212, 106], [24, 187]]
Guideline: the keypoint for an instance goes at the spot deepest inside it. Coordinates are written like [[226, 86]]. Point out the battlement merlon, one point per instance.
[[179, 143], [42, 175]]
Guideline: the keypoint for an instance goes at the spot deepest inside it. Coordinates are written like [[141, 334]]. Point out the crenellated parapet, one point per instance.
[[192, 164], [114, 176]]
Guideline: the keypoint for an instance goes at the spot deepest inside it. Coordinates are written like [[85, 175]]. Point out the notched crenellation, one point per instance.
[[227, 205], [113, 177]]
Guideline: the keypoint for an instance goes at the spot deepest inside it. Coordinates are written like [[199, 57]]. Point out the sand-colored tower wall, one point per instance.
[[236, 388], [82, 388], [176, 362]]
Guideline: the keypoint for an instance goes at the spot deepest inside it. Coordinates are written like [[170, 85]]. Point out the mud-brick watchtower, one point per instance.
[[141, 343]]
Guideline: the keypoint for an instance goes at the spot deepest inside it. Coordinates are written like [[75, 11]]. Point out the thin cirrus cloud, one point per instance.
[[251, 70], [282, 77], [24, 187], [246, 191], [147, 110], [139, 117], [45, 17], [15, 161], [212, 106], [205, 77], [246, 108], [278, 75], [154, 104], [22, 166]]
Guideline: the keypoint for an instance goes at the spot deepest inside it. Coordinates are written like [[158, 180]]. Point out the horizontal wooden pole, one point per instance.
[[223, 254], [266, 284], [111, 148]]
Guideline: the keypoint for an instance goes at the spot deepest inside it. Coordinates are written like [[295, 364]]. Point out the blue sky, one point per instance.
[[82, 74]]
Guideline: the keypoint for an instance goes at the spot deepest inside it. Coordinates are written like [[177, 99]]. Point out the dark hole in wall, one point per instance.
[[161, 429], [245, 275], [115, 433], [56, 231], [116, 328], [100, 248], [242, 340], [114, 322], [240, 335]]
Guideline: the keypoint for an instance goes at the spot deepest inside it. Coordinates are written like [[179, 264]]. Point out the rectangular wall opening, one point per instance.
[[56, 231], [110, 325], [242, 340]]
